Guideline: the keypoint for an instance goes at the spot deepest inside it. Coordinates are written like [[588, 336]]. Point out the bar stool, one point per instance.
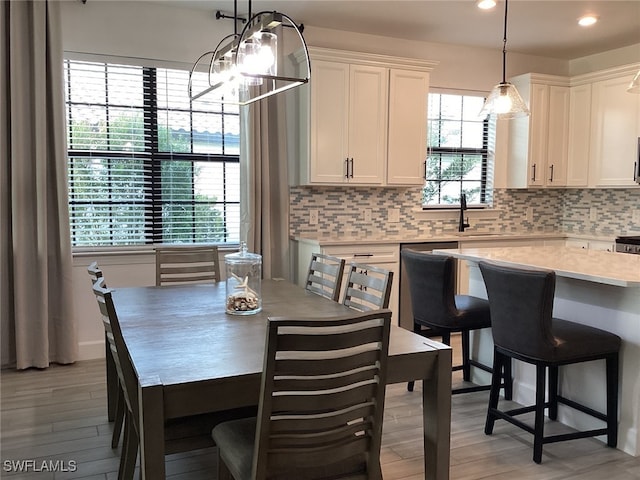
[[523, 327], [436, 306]]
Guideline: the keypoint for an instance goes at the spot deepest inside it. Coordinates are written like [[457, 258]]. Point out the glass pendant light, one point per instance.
[[504, 101]]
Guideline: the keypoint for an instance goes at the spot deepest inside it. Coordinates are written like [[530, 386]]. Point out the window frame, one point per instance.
[[486, 179], [153, 159]]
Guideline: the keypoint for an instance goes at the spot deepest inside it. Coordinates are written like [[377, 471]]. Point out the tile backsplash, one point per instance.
[[341, 211]]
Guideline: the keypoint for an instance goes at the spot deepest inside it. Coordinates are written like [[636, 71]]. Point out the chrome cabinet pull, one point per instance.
[[351, 167], [533, 168], [346, 167], [425, 169], [551, 178]]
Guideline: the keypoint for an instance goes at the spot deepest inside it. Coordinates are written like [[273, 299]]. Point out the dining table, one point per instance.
[[191, 357]]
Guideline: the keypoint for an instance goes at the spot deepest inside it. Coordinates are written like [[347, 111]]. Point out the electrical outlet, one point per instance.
[[313, 217], [593, 214], [529, 214], [635, 217], [393, 215], [367, 215]]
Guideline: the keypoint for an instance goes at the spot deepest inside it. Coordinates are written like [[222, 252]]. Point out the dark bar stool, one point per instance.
[[436, 306], [523, 328]]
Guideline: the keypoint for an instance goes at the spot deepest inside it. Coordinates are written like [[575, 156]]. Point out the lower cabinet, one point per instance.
[[385, 256]]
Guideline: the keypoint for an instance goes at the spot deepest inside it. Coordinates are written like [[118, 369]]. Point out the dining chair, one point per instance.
[[523, 328], [325, 276], [439, 312], [321, 402], [367, 287], [115, 411], [187, 264], [181, 434]]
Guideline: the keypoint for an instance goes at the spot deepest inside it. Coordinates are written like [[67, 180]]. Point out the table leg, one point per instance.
[[151, 423], [436, 415]]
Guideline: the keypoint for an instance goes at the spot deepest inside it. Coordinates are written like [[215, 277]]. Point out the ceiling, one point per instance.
[[541, 27]]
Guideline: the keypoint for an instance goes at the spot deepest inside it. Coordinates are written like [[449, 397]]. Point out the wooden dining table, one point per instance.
[[190, 358]]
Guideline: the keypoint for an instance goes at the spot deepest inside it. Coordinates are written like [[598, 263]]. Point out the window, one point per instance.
[[145, 164], [458, 159]]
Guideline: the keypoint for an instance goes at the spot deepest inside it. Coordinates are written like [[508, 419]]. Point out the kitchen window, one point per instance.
[[145, 164], [458, 146]]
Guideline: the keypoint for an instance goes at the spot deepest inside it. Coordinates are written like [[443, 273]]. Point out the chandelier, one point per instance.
[[246, 67]]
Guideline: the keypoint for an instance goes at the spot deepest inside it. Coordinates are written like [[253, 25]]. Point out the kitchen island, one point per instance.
[[596, 288]]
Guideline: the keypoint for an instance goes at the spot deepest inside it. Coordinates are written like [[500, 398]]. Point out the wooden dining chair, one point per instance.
[[115, 410], [181, 434], [325, 276], [321, 402], [187, 264], [368, 287]]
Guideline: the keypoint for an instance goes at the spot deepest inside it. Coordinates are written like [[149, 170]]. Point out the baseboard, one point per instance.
[[91, 350]]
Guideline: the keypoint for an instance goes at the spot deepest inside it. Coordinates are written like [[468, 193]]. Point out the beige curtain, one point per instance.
[[35, 279], [264, 187]]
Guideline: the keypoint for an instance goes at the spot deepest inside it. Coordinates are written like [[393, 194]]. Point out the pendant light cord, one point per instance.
[[504, 45]]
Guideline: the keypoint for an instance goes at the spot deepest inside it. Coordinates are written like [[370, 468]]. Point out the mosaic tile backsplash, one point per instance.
[[341, 212]]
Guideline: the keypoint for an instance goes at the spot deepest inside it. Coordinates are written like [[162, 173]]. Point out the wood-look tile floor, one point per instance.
[[59, 415]]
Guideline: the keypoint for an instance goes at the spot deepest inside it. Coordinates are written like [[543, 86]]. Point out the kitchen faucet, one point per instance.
[[463, 206]]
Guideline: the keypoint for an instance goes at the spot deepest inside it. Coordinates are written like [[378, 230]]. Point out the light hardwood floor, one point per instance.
[[59, 415]]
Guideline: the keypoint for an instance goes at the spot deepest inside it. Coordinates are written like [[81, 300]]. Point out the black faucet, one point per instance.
[[463, 206]]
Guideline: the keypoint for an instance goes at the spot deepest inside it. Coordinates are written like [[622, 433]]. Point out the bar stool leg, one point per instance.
[[494, 393], [508, 379], [612, 399], [466, 367], [539, 409], [553, 392]]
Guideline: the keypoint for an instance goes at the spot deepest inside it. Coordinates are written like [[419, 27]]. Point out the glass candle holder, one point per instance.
[[243, 282]]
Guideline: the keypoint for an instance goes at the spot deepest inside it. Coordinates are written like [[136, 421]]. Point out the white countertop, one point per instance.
[[618, 269], [332, 240]]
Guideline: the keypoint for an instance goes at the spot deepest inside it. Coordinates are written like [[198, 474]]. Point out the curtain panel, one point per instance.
[[264, 186], [37, 325]]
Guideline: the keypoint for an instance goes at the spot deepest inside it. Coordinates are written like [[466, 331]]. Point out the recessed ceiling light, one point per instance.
[[587, 20], [486, 4]]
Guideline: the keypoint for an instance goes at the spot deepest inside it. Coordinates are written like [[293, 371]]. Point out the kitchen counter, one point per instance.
[[469, 236], [595, 288], [618, 269]]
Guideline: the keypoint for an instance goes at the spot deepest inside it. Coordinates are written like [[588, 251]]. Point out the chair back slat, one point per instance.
[[322, 396], [187, 264], [368, 287], [325, 276]]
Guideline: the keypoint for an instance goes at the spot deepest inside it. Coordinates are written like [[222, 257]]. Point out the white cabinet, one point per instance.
[[348, 123], [604, 129], [539, 143], [364, 121], [615, 132], [407, 141], [579, 135]]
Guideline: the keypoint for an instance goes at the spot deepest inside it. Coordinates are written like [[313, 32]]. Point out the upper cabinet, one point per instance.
[[539, 143], [363, 119], [605, 128], [615, 129]]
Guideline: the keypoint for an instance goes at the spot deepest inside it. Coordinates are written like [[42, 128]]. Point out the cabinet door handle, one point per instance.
[[551, 177], [363, 255], [635, 169], [425, 169], [346, 167], [533, 168], [351, 167]]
